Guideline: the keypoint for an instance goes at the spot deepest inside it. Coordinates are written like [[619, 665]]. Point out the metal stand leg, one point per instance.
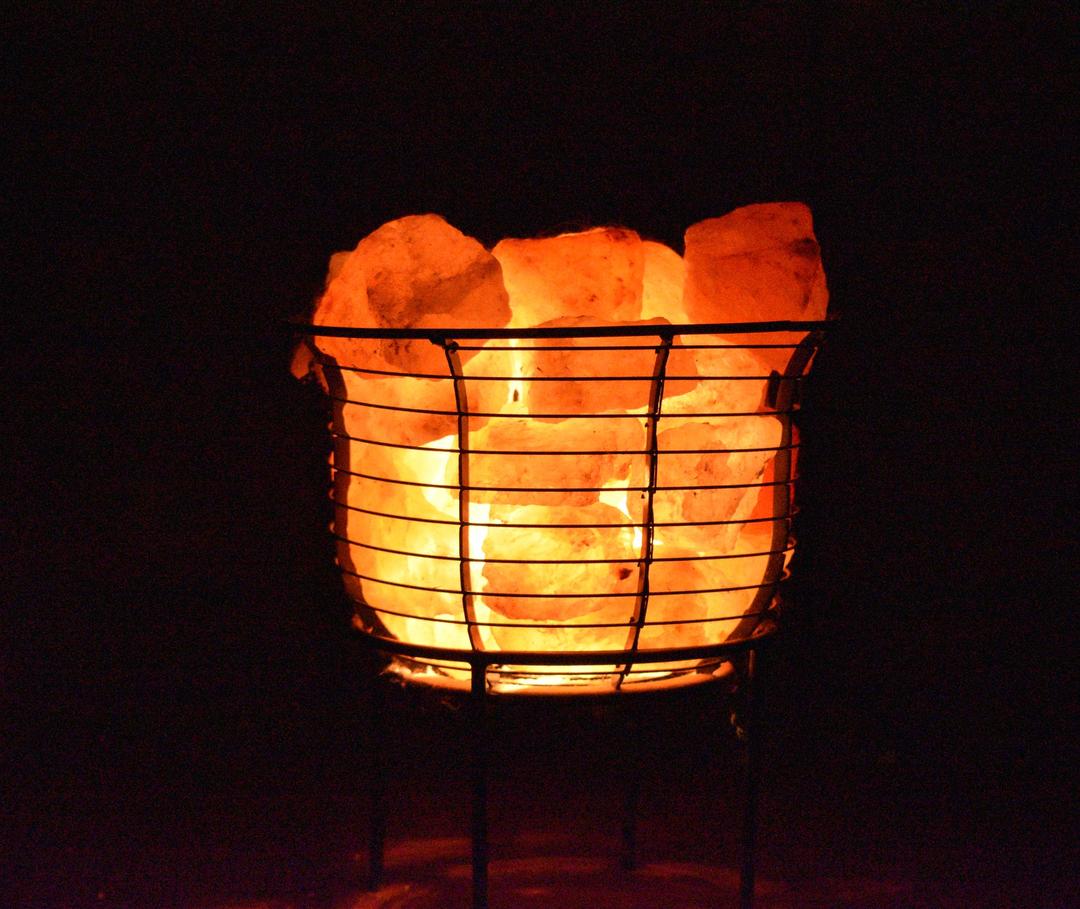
[[752, 725], [478, 698], [377, 783], [632, 791]]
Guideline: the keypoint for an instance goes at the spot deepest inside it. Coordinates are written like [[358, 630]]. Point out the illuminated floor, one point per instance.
[[844, 827]]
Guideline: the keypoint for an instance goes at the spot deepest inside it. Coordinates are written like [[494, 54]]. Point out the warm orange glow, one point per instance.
[[396, 463]]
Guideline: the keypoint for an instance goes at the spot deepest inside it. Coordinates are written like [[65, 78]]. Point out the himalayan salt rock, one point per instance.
[[749, 574], [620, 441], [725, 590], [401, 410], [336, 263], [731, 380], [605, 629], [388, 549], [595, 274], [572, 360], [758, 263], [763, 513], [587, 584], [767, 513], [486, 388], [427, 414], [663, 278], [739, 470], [677, 571], [415, 272], [403, 516]]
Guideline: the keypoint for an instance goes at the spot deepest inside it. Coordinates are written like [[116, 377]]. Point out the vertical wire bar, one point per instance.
[[479, 833], [752, 725], [631, 751], [377, 744], [641, 603], [342, 481], [781, 394], [461, 402]]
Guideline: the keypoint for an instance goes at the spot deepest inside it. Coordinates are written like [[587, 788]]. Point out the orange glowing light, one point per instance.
[[554, 540]]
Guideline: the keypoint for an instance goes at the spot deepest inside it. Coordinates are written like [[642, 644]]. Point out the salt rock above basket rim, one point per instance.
[[779, 234]]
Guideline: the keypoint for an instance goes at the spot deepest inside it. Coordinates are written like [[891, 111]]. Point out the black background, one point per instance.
[[176, 639]]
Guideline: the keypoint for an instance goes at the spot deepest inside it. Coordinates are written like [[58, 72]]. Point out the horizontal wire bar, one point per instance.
[[366, 370], [598, 451], [575, 658], [507, 673], [437, 335], [560, 626], [618, 348], [491, 414], [712, 557], [557, 596], [592, 674], [559, 416], [552, 489], [571, 659], [516, 526]]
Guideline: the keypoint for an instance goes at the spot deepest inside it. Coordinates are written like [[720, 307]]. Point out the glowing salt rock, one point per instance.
[[401, 545], [548, 553], [407, 411], [401, 534], [613, 444], [596, 274], [583, 368], [671, 604], [663, 277], [759, 263], [765, 513], [398, 411], [700, 454], [731, 380], [415, 272], [604, 629], [336, 263]]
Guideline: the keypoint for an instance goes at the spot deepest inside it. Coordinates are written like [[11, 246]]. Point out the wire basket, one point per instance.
[[570, 509]]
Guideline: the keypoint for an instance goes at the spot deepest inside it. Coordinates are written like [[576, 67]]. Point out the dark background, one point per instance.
[[177, 663]]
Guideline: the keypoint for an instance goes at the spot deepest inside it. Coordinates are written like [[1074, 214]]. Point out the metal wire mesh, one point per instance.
[[570, 508]]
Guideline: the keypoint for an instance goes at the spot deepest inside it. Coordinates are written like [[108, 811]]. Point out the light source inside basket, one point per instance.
[[573, 493]]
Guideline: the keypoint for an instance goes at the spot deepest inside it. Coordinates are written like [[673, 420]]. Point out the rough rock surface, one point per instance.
[[597, 274], [415, 272], [561, 545], [758, 263]]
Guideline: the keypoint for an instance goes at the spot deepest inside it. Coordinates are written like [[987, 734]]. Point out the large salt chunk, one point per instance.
[[597, 274], [662, 283], [692, 601], [580, 454], [558, 563], [759, 263], [607, 628], [705, 472], [731, 379], [415, 272], [572, 376], [396, 411], [395, 537]]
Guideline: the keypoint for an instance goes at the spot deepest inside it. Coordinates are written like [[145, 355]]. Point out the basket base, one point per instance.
[[562, 680]]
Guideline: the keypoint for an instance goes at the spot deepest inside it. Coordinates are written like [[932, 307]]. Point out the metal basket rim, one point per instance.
[[439, 334], [764, 631]]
